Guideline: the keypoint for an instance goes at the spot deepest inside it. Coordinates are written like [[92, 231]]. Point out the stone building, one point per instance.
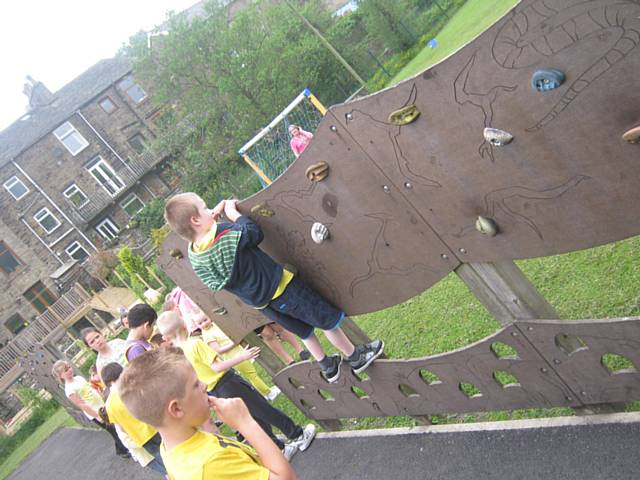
[[74, 170]]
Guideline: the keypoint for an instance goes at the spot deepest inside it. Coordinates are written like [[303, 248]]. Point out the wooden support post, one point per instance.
[[505, 291], [162, 287]]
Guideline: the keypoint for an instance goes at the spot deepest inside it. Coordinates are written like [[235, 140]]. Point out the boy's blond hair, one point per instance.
[[151, 381], [58, 367], [178, 212], [170, 323]]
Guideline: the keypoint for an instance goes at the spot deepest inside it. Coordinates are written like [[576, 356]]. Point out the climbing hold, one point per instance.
[[176, 253], [486, 226], [547, 79], [220, 311], [333, 128], [497, 137], [632, 136], [317, 172], [263, 210], [319, 233], [404, 115]]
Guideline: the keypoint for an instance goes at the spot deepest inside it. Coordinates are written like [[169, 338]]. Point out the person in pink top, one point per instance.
[[299, 139]]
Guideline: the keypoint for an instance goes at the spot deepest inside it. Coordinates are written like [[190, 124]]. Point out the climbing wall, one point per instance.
[[522, 144]]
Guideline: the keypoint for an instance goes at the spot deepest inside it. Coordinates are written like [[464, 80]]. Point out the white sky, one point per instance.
[[55, 41]]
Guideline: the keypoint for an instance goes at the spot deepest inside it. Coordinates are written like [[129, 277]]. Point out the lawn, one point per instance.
[[468, 22], [57, 420]]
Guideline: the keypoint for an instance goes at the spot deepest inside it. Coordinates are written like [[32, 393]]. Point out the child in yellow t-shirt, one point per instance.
[[213, 336], [222, 381], [161, 388]]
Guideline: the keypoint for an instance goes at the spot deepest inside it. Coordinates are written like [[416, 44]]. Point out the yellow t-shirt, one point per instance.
[[139, 432], [205, 242], [201, 356], [206, 456]]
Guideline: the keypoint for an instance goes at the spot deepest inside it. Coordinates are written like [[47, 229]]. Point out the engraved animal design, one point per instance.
[[393, 132], [497, 201], [464, 95], [548, 27], [380, 245]]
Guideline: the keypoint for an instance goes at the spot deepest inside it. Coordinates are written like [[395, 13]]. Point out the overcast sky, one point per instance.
[[55, 41]]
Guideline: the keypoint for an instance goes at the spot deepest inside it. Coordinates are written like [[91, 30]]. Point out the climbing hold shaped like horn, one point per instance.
[[632, 136], [404, 115], [317, 172], [496, 137], [176, 253], [547, 79], [263, 210], [319, 233], [220, 311], [486, 226]]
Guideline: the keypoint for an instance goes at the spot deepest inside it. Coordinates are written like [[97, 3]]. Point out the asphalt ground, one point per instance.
[[572, 448]]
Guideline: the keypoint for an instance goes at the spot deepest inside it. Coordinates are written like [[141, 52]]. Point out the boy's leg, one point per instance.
[[262, 411], [274, 344], [339, 340], [286, 336]]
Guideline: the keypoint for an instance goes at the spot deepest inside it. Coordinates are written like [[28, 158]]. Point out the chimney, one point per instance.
[[37, 93]]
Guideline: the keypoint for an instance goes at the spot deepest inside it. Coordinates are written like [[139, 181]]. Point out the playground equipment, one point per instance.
[[465, 167]]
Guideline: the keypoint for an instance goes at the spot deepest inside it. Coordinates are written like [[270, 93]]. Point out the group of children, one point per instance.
[[160, 399]]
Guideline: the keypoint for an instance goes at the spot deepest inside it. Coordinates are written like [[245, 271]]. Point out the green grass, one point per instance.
[[57, 420], [469, 22]]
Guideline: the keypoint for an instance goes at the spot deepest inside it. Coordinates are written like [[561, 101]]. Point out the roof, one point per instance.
[[39, 122]]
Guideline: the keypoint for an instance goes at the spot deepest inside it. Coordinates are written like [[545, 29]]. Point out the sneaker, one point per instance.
[[332, 373], [272, 394], [305, 355], [306, 437], [365, 355], [289, 450]]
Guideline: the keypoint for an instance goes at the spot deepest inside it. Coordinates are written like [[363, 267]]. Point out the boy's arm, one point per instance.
[[219, 349], [234, 413], [222, 365], [251, 232]]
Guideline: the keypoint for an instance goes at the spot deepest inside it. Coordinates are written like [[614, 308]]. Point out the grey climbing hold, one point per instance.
[[547, 79], [319, 233], [486, 226], [497, 137]]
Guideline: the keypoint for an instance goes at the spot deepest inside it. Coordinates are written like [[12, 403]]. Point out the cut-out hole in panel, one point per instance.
[[296, 384], [362, 376], [617, 364], [429, 378], [325, 395], [470, 390], [306, 404], [570, 344], [358, 392], [407, 391], [504, 351], [505, 379]]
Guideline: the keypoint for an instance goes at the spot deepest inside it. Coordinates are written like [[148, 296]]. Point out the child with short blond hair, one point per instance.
[[222, 381], [161, 388], [227, 256]]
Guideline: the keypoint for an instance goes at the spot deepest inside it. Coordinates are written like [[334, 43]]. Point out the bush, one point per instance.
[[151, 216]]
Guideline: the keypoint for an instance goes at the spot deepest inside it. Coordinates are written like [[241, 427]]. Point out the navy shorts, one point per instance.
[[300, 309]]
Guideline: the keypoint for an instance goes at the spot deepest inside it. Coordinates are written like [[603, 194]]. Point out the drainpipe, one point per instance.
[[44, 194], [41, 241], [111, 149]]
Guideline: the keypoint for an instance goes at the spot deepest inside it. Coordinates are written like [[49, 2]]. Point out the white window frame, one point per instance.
[[67, 194], [65, 131], [101, 169], [39, 218], [73, 247], [14, 181], [127, 84], [110, 224], [131, 198]]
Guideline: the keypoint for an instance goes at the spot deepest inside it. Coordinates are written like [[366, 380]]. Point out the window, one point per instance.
[[132, 204], [39, 297], [108, 229], [46, 220], [70, 138], [138, 143], [15, 323], [105, 176], [16, 188], [77, 251], [9, 263], [132, 89], [75, 196], [107, 105]]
